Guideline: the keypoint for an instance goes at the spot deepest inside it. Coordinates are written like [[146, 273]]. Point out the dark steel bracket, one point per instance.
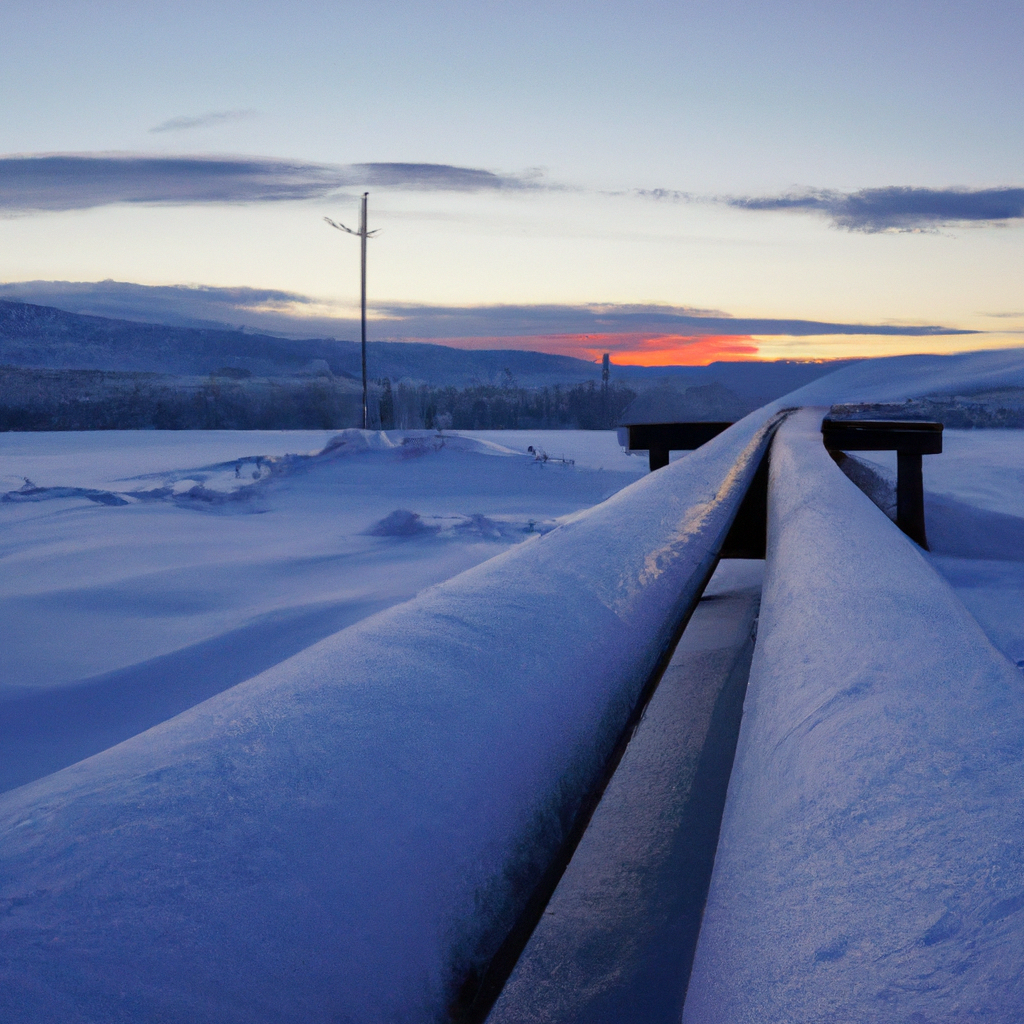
[[658, 439], [910, 439]]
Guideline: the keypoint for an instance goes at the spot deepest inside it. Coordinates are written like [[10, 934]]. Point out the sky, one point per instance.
[[670, 182]]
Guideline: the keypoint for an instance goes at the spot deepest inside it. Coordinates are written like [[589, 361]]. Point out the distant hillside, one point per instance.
[[442, 365], [41, 336], [45, 337]]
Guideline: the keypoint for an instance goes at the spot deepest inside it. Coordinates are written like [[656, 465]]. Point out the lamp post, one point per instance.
[[363, 236]]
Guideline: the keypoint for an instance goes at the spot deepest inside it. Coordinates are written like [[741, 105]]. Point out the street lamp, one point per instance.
[[363, 236]]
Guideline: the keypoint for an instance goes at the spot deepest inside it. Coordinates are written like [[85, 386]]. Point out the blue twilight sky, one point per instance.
[[584, 177]]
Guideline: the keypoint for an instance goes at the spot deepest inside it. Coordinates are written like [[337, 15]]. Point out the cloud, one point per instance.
[[644, 329], [440, 177], [69, 181], [647, 319], [78, 181], [668, 193], [180, 124], [635, 348], [897, 208]]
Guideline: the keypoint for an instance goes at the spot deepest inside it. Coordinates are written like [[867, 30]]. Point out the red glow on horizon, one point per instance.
[[627, 349], [681, 350]]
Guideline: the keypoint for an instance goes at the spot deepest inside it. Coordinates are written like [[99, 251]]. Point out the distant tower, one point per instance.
[[606, 372]]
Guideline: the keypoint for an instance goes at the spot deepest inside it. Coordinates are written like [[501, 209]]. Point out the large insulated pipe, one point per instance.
[[870, 865], [353, 834]]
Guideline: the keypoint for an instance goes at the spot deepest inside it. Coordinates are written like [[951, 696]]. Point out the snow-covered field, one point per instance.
[[158, 568], [112, 458], [346, 834]]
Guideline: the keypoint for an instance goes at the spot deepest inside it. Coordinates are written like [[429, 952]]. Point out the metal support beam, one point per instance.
[[657, 458], [910, 497], [910, 439], [658, 439]]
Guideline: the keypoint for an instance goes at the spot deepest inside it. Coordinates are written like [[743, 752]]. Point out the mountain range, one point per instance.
[[51, 338]]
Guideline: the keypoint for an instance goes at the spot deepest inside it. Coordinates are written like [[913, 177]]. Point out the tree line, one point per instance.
[[504, 406], [32, 399], [50, 399]]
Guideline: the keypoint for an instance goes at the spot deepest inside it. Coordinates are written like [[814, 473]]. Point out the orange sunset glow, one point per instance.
[[627, 349]]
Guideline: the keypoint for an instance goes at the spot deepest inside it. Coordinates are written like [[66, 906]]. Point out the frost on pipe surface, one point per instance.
[[870, 861], [350, 835]]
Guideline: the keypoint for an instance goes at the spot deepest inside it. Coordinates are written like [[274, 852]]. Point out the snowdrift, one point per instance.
[[410, 443], [897, 378], [870, 861], [350, 835]]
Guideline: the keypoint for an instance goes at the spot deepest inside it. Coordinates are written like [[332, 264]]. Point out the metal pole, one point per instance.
[[362, 246], [363, 236], [606, 373]]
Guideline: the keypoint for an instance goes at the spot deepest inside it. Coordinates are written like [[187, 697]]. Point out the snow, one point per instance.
[[869, 864], [897, 378], [327, 769], [589, 449], [105, 459], [146, 605], [974, 490], [185, 567], [984, 468], [974, 507], [349, 834], [993, 592]]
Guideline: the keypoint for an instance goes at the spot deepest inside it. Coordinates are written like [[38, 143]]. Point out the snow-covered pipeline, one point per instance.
[[349, 836], [871, 860]]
